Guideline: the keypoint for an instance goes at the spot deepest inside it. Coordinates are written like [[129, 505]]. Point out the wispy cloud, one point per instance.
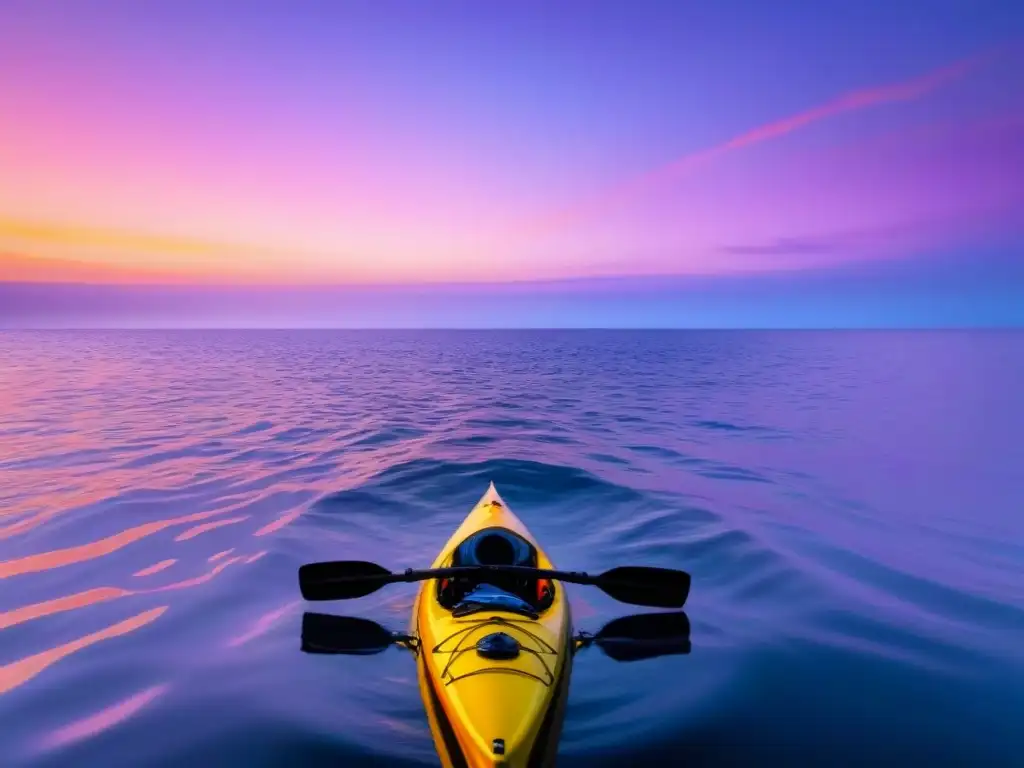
[[616, 196], [837, 240], [907, 90], [786, 246], [904, 237]]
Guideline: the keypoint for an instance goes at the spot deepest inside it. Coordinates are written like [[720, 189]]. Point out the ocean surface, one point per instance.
[[850, 505]]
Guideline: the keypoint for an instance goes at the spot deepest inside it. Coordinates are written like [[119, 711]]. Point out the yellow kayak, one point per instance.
[[494, 663], [492, 633]]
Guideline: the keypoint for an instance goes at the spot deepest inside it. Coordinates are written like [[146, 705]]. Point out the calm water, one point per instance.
[[851, 507]]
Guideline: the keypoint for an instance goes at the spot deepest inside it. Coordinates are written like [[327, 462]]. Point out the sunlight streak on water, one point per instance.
[[156, 567], [102, 720], [20, 672]]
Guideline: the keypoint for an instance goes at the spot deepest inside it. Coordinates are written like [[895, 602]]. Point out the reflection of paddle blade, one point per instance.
[[645, 636], [323, 633]]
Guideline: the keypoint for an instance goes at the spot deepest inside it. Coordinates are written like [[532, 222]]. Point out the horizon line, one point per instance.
[[601, 278], [515, 329]]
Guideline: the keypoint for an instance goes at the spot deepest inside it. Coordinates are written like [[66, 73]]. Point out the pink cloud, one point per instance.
[[903, 91], [943, 183], [860, 99]]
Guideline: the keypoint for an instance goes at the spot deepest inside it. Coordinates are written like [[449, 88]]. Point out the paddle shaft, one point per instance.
[[410, 575], [640, 585]]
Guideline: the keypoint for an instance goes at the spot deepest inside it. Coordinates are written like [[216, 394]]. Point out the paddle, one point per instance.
[[642, 636], [630, 638], [638, 585]]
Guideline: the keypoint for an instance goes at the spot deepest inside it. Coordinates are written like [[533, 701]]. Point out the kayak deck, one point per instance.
[[493, 680]]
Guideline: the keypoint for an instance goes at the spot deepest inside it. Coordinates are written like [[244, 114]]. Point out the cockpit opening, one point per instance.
[[495, 591]]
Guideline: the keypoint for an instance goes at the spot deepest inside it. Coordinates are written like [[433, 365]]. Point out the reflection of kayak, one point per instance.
[[494, 682], [493, 635]]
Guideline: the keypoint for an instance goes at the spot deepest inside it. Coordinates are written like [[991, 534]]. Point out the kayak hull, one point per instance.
[[483, 710]]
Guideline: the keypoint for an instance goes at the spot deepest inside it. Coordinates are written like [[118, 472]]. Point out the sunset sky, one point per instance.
[[511, 163]]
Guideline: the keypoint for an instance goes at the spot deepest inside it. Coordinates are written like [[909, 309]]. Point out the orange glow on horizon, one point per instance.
[[38, 251], [55, 251]]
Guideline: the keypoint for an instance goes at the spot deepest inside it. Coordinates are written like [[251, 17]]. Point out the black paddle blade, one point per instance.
[[645, 585], [323, 633], [341, 579], [645, 636]]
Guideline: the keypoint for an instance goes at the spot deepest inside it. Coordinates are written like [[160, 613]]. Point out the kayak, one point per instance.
[[492, 633], [494, 658]]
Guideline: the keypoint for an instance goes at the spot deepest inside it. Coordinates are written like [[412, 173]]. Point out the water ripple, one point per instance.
[[852, 530]]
